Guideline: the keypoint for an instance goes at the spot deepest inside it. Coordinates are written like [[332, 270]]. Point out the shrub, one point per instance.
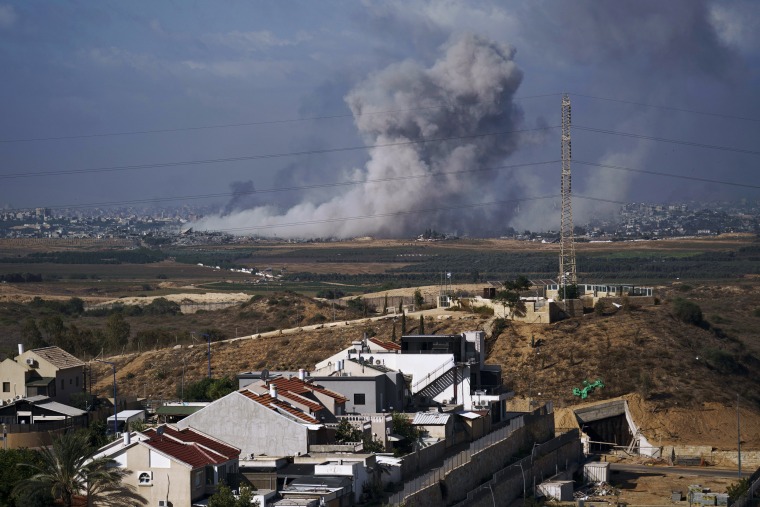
[[162, 306], [318, 319], [723, 361], [499, 325], [687, 311]]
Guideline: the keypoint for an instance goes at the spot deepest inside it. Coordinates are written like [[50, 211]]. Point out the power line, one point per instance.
[[243, 124], [382, 180], [262, 157], [664, 140], [287, 189], [669, 108], [382, 215], [669, 175], [588, 198]]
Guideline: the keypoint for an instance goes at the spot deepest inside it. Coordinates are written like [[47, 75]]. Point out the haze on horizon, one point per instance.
[[486, 76]]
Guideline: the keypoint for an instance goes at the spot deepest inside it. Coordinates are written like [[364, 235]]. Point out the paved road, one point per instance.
[[357, 322], [699, 471]]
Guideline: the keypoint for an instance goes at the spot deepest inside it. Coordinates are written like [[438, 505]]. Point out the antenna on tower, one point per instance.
[[567, 274]]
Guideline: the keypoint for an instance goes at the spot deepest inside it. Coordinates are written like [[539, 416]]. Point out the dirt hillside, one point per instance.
[[681, 379]]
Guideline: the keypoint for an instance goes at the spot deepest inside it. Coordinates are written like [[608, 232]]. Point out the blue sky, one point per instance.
[[92, 68]]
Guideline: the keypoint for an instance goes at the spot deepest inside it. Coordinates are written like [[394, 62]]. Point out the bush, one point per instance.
[[687, 311], [318, 319], [162, 306], [499, 325], [208, 389], [723, 361]]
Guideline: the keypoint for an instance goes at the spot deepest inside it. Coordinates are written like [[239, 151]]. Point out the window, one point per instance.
[[6, 387], [77, 382], [359, 399], [63, 384]]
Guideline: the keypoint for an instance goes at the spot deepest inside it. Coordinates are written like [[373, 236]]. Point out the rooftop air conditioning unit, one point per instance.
[[30, 361], [145, 478], [163, 503]]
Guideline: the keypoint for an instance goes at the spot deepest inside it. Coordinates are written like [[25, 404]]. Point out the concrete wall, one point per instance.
[[507, 479], [421, 459], [12, 374], [175, 483], [750, 459], [249, 426], [485, 463], [67, 383], [33, 439]]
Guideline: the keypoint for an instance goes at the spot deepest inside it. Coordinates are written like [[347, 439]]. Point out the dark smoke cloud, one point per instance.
[[467, 91], [243, 197]]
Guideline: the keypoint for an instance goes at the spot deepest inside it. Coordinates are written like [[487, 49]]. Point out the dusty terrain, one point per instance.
[[686, 376], [680, 407]]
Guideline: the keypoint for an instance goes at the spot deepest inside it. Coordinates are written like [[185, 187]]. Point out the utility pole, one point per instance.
[[115, 420], [738, 437], [208, 337]]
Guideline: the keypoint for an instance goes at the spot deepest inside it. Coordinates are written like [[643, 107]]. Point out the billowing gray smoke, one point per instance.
[[467, 92]]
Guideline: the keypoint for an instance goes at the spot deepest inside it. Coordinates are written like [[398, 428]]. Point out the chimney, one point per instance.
[[127, 437], [273, 391], [302, 374], [20, 348]]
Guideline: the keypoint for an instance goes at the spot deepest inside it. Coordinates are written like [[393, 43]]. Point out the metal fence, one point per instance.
[[754, 486]]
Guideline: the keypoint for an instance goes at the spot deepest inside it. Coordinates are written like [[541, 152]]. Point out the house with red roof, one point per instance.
[[172, 466], [317, 401], [263, 421]]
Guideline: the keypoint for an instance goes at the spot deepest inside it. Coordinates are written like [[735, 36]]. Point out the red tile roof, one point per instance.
[[274, 404], [298, 386], [193, 454], [303, 400], [386, 345], [189, 435]]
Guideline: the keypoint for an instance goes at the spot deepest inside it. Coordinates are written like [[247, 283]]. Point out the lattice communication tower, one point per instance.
[[567, 275]]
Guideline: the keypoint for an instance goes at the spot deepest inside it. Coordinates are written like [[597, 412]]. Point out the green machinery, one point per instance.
[[587, 388]]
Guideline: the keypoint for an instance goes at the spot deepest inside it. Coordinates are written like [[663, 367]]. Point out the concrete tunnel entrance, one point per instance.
[[605, 425]]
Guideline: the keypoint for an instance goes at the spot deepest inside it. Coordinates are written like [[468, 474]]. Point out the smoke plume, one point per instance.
[[467, 92]]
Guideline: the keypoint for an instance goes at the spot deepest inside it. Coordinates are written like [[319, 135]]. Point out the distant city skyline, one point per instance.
[[206, 102]]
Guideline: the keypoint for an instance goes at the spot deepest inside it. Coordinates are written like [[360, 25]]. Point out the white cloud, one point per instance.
[[253, 41], [8, 16], [736, 24]]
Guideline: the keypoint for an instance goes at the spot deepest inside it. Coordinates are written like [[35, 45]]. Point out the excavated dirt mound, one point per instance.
[[711, 424]]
